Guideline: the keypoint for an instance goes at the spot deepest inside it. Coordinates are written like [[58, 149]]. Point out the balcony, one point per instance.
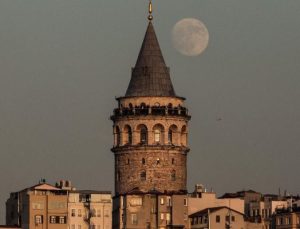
[[147, 110]]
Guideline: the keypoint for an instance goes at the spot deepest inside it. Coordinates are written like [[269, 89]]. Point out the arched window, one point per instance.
[[117, 136], [172, 134], [158, 131], [143, 161], [157, 135], [127, 135], [143, 134], [143, 176], [183, 136], [173, 175]]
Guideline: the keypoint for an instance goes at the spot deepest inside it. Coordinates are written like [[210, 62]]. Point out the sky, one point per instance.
[[62, 63]]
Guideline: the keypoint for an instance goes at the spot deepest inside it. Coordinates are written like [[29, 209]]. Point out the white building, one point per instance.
[[89, 210]]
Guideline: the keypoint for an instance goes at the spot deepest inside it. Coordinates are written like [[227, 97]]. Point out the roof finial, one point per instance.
[[150, 17]]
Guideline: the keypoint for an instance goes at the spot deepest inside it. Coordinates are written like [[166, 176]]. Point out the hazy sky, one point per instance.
[[62, 62]]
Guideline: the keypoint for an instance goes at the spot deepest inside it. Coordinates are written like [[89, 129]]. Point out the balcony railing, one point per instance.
[[154, 110]]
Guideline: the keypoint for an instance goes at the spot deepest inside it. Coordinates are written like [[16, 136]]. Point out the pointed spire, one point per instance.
[[150, 76]]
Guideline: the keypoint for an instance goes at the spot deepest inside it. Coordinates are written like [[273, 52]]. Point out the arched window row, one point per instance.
[[157, 135]]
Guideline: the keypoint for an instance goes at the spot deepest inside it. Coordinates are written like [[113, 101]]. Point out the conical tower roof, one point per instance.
[[150, 76]]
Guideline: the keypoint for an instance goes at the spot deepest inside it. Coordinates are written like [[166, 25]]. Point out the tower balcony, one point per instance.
[[154, 110]]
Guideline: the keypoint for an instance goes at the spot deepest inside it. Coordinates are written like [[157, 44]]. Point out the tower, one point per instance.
[[150, 136]]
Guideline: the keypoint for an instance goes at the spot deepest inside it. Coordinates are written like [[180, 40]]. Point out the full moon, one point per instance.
[[190, 37]]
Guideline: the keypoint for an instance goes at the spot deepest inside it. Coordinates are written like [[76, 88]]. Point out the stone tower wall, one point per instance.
[[159, 165]]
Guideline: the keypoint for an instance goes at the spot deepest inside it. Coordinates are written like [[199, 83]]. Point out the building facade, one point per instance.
[[89, 210], [286, 218], [59, 207], [201, 199], [150, 144], [40, 206]]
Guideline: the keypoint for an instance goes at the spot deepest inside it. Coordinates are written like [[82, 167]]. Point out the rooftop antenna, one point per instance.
[[150, 17]]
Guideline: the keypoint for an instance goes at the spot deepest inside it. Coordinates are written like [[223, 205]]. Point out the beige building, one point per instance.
[[262, 211], [59, 207], [288, 218], [201, 199], [41, 206], [152, 210], [248, 196], [150, 126], [89, 210], [217, 218], [220, 218]]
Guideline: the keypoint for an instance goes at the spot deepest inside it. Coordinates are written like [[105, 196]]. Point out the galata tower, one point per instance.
[[150, 127]]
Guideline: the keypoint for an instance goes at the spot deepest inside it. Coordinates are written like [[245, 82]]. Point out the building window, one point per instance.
[[170, 137], [162, 216], [218, 219], [143, 161], [62, 220], [134, 219], [168, 218], [227, 218], [79, 213], [232, 218], [98, 213], [93, 212], [162, 200], [118, 136], [73, 212], [185, 202], [143, 134], [173, 175], [127, 135], [143, 176], [137, 201], [38, 219], [157, 134], [185, 216], [169, 201], [52, 219], [173, 161], [280, 221], [38, 205], [158, 131], [157, 161]]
